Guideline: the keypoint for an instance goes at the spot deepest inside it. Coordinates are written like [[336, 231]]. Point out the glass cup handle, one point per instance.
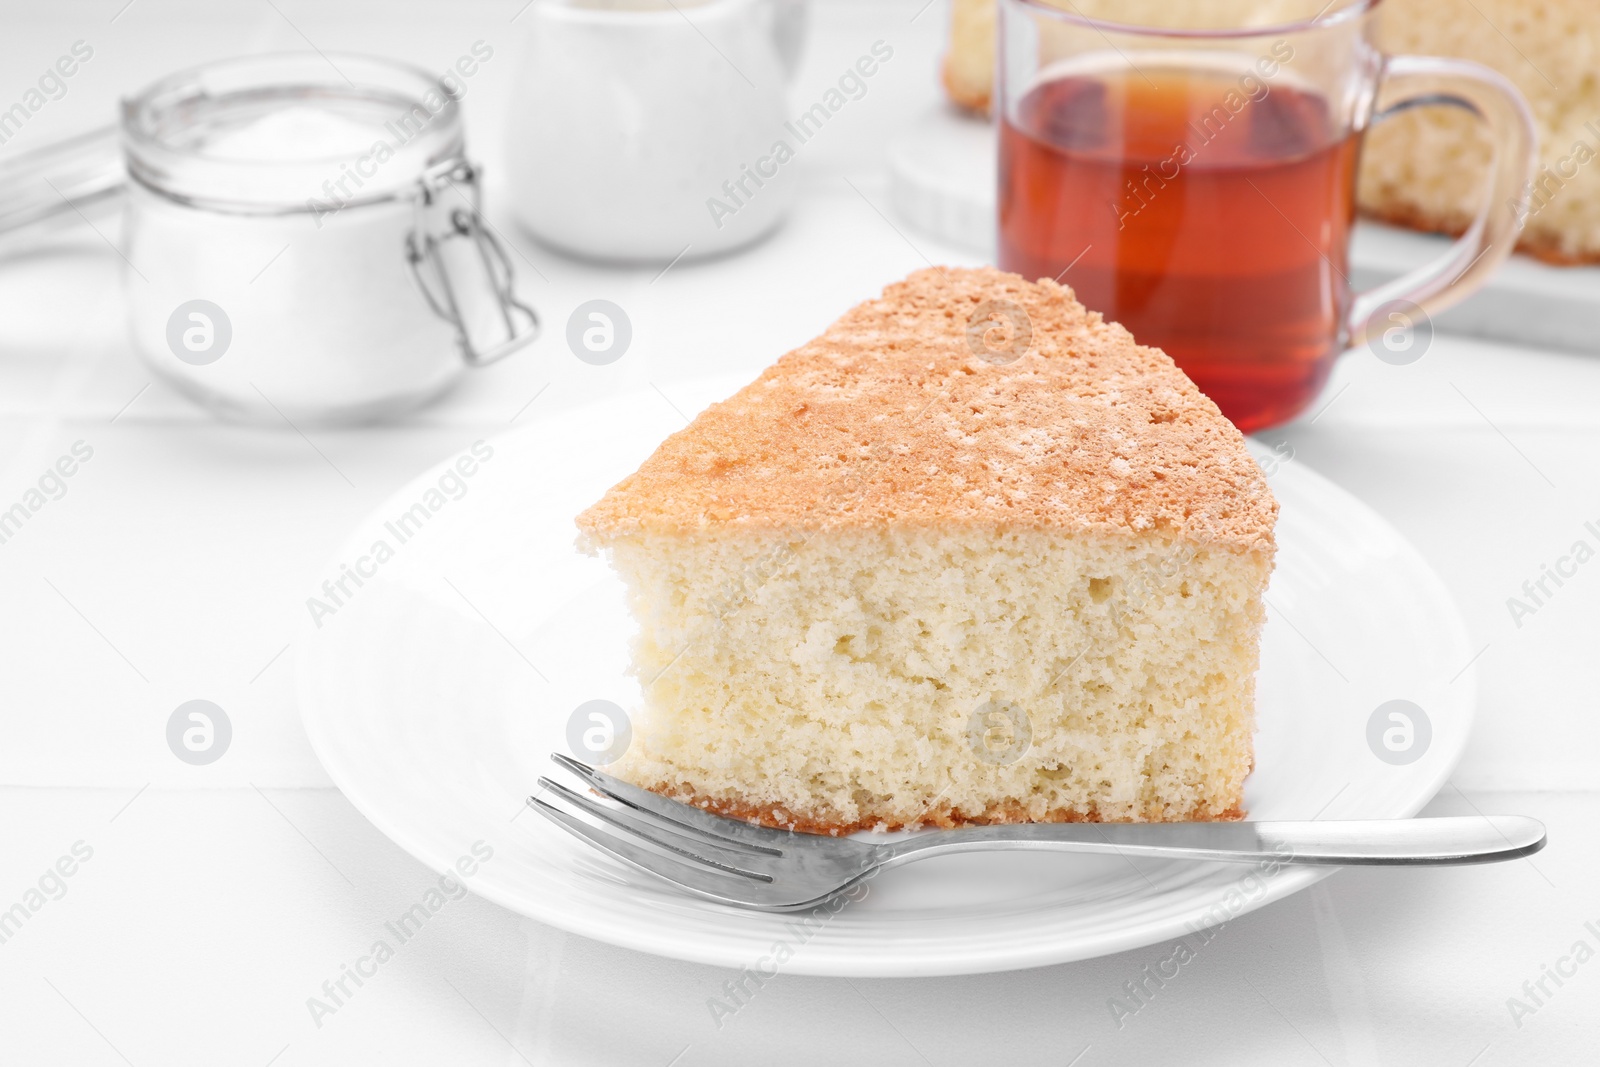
[[1415, 81]]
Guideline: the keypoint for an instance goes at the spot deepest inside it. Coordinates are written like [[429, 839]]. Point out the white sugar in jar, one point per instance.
[[303, 243]]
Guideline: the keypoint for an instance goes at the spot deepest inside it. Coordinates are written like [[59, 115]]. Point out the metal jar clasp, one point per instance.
[[449, 241]]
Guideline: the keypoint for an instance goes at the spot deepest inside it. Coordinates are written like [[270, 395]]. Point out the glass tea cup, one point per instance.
[[1190, 171]]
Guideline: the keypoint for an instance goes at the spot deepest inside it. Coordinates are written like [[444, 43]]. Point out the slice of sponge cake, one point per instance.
[[973, 555]]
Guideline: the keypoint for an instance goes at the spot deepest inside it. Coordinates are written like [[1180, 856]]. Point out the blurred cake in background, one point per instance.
[[1424, 168], [969, 64], [968, 68]]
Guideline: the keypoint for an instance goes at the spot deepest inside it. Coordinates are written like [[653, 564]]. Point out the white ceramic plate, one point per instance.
[[435, 691]]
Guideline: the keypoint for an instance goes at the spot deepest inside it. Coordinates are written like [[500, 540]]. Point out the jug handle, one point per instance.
[[789, 33]]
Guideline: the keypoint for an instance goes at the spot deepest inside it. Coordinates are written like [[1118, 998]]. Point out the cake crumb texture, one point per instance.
[[848, 679]]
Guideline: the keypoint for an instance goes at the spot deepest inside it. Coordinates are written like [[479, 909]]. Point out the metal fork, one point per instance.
[[739, 863]]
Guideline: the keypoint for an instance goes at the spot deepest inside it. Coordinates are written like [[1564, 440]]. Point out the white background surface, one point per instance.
[[176, 567]]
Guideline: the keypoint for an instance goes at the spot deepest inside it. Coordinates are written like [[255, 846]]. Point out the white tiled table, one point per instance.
[[218, 899]]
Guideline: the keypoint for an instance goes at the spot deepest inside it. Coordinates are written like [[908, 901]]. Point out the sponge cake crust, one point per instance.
[[903, 414]]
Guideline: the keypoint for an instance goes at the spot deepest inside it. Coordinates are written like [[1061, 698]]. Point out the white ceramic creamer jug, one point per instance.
[[634, 119]]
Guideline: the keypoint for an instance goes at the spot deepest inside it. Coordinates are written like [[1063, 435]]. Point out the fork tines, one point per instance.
[[685, 845]]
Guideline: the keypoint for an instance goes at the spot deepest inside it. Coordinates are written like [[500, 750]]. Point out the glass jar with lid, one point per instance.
[[302, 235]]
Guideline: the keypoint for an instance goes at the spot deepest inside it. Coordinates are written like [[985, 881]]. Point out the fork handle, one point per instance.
[[1398, 842]]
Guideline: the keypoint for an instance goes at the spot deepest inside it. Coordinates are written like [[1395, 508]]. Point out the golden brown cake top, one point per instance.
[[902, 414]]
